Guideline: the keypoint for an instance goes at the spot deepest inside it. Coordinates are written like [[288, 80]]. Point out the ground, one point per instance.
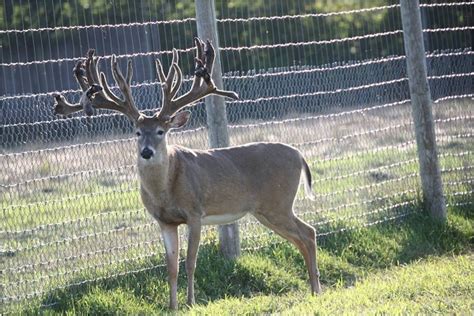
[[77, 231]]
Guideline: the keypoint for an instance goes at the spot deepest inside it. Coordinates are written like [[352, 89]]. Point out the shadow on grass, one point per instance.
[[216, 278], [344, 258], [361, 251]]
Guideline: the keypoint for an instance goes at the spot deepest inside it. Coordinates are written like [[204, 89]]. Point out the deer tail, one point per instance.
[[307, 181]]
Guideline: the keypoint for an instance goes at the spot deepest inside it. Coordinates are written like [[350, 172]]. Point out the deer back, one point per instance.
[[223, 181]]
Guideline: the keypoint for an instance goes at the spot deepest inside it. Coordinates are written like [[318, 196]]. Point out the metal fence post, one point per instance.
[[433, 197], [229, 241]]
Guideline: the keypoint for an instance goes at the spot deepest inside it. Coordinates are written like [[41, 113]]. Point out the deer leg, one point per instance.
[[170, 238], [308, 235], [302, 235], [194, 236]]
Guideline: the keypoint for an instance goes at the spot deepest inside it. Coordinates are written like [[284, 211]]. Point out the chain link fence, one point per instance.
[[330, 81]]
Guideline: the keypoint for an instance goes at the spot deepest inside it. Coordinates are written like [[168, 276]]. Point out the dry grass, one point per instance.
[[74, 208], [332, 136]]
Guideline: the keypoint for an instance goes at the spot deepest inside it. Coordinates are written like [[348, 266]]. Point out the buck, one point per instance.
[[201, 187]]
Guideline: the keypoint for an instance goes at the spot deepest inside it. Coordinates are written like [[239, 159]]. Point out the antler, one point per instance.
[[202, 86], [96, 91]]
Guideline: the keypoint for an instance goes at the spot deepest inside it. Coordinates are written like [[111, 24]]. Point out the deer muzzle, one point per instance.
[[146, 153]]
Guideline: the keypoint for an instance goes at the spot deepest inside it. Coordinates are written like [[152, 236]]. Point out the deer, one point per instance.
[[179, 185]]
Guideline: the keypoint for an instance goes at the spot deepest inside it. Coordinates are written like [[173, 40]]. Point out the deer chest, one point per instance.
[[169, 216], [162, 210]]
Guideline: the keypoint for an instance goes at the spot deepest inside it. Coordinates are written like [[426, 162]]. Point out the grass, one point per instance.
[[436, 285], [72, 213], [414, 266]]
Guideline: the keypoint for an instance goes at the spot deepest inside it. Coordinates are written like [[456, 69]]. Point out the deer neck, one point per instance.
[[155, 174]]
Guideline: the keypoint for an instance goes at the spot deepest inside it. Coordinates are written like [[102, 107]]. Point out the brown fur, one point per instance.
[[243, 178], [196, 187], [184, 186]]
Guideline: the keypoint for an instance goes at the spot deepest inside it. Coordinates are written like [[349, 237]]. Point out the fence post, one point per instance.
[[229, 241], [432, 187]]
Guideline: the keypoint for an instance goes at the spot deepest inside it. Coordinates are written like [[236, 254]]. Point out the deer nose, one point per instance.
[[146, 153]]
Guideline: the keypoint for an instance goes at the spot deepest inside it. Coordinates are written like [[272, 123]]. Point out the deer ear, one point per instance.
[[179, 119]]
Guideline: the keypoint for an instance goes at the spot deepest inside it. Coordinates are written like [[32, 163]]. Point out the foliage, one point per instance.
[[25, 15]]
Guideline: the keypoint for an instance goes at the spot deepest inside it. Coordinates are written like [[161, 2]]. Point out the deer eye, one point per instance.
[[138, 133], [160, 132]]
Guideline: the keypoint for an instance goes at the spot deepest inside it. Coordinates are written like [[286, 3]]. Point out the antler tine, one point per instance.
[[209, 56], [96, 91], [98, 78], [108, 92], [84, 73], [179, 80], [128, 104], [204, 62], [91, 67], [159, 70], [205, 56], [172, 71], [63, 107], [199, 62], [170, 84], [79, 74], [129, 72], [199, 47], [175, 76]]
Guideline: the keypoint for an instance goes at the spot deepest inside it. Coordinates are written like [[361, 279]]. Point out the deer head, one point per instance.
[[198, 187], [151, 130]]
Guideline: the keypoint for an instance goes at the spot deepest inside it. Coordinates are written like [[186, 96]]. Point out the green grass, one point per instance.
[[412, 266], [85, 225], [436, 285]]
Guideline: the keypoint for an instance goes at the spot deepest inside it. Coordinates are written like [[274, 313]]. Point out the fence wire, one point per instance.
[[332, 82]]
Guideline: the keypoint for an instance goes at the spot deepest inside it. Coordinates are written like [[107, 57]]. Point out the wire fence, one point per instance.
[[327, 79]]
